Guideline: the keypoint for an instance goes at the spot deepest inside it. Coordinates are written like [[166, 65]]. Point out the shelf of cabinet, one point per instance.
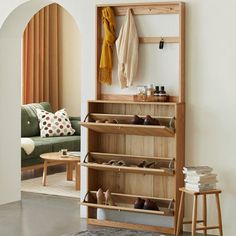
[[144, 130], [98, 161], [126, 119], [125, 202], [134, 102], [137, 170]]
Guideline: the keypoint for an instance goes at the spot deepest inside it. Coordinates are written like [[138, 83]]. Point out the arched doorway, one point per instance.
[[10, 96]]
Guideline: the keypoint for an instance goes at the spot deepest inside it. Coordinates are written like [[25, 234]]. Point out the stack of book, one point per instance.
[[199, 178]]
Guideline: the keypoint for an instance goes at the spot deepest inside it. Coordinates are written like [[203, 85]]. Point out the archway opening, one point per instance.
[[10, 123]]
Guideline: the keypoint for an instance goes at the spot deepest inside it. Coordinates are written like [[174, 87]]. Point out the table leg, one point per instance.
[[69, 167], [77, 180], [45, 168]]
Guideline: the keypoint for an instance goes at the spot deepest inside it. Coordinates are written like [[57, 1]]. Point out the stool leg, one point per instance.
[[179, 222], [204, 212], [219, 214], [194, 216]]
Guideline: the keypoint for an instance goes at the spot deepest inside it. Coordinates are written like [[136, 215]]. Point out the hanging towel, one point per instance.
[[28, 145], [105, 68], [127, 51]]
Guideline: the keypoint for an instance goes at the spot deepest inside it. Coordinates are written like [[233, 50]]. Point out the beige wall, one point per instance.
[[69, 51]]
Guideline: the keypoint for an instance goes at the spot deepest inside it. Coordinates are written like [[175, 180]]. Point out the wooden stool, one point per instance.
[[194, 220]]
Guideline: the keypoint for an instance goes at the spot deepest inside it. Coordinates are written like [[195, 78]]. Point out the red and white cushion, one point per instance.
[[57, 124]]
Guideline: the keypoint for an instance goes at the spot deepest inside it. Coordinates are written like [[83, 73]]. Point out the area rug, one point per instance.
[[113, 232], [56, 185]]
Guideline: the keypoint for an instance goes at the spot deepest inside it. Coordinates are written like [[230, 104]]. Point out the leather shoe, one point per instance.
[[137, 120], [150, 205], [142, 164], [151, 121], [111, 121], [139, 203]]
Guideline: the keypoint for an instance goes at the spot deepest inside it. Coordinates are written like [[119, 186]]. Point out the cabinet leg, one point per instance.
[[194, 216], [45, 169], [69, 167], [180, 221], [77, 180], [219, 214], [204, 212]]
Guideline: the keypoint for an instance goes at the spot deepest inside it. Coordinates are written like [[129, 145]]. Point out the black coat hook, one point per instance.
[[161, 44]]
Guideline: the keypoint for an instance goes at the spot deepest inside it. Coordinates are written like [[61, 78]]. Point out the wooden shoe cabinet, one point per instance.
[[133, 143]]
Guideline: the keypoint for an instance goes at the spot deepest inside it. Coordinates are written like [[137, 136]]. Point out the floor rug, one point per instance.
[[113, 232], [56, 185]]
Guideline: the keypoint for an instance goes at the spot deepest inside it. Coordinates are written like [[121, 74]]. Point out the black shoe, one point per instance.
[[151, 121], [150, 205], [137, 120], [139, 203]]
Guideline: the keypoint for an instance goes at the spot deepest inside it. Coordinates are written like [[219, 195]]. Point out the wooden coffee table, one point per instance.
[[70, 161]]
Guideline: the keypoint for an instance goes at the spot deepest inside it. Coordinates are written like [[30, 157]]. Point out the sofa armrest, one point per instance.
[[75, 124]]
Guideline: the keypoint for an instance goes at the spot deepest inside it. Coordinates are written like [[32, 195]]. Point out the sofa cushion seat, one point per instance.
[[72, 143], [52, 144]]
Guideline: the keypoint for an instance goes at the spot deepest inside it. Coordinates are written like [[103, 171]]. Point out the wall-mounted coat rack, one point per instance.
[[159, 8]]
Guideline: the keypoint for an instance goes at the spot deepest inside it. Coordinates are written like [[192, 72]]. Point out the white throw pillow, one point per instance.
[[57, 124]]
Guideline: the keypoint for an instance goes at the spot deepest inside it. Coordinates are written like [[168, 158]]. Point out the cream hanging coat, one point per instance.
[[127, 51]]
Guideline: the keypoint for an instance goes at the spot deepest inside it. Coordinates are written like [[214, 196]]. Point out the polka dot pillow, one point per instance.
[[57, 124]]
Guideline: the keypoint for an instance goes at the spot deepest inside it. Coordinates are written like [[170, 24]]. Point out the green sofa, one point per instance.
[[30, 129]]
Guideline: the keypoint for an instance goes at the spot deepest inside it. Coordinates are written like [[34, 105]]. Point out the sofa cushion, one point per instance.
[[29, 119], [75, 124], [52, 125]]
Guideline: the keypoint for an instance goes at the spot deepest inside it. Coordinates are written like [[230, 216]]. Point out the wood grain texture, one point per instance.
[[98, 47], [194, 215], [125, 202], [182, 53], [148, 9], [180, 152], [132, 102], [149, 130], [155, 40], [132, 98], [125, 141], [141, 227], [219, 218]]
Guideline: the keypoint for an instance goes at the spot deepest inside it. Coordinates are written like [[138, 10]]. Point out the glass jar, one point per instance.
[[150, 93], [142, 93]]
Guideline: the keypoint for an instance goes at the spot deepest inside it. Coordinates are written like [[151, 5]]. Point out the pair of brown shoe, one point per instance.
[[146, 204], [110, 121], [148, 120], [104, 197], [115, 163], [145, 164]]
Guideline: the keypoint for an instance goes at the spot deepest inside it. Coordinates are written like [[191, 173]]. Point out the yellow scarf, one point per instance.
[[105, 68]]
